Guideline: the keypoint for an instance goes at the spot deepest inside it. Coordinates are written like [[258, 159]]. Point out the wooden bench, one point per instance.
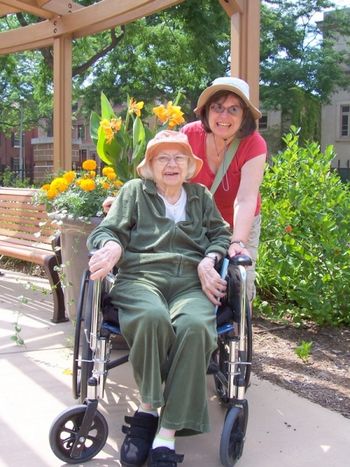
[[26, 233]]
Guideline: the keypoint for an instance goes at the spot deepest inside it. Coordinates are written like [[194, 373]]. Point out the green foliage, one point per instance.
[[304, 267], [303, 351], [9, 178]]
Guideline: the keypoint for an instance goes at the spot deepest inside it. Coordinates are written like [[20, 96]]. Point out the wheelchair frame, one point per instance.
[[80, 432]]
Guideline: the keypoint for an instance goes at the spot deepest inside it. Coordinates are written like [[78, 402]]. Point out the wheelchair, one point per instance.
[[80, 432]]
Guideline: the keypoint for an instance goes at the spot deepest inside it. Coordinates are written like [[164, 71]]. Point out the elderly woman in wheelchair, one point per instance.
[[166, 237]]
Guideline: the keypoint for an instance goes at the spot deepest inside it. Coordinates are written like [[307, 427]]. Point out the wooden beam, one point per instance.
[[28, 6], [62, 116], [231, 6], [145, 10], [59, 7], [95, 16]]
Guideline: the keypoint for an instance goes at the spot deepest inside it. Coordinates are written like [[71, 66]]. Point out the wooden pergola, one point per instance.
[[65, 20]]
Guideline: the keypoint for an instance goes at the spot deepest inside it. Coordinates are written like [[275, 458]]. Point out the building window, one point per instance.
[[345, 120], [81, 132], [263, 122]]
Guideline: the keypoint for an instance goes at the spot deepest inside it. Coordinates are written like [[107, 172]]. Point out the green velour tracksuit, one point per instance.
[[165, 317]]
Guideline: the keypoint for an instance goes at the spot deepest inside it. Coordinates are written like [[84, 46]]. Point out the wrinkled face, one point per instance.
[[170, 168], [225, 116]]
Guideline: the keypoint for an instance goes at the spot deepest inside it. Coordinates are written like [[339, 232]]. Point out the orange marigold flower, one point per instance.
[[52, 193], [69, 176], [59, 184], [46, 187], [92, 174], [87, 184], [89, 164], [288, 229], [106, 185], [118, 183], [107, 170], [135, 107]]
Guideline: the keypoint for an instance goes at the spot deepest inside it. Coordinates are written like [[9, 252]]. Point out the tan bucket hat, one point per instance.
[[169, 139], [235, 85]]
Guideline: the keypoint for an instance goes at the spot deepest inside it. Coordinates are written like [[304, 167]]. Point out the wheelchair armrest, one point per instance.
[[241, 260]]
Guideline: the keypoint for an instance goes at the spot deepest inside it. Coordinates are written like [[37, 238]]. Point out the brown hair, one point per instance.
[[248, 125]]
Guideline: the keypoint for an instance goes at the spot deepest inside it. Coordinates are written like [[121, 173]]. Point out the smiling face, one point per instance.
[[225, 116], [170, 168]]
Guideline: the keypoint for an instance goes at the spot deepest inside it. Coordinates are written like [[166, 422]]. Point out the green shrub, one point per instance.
[[304, 268], [10, 179]]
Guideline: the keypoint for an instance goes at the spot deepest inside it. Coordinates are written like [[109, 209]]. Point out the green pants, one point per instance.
[[170, 327]]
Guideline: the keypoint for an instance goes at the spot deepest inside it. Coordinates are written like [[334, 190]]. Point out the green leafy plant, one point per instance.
[[304, 256], [121, 141], [303, 351]]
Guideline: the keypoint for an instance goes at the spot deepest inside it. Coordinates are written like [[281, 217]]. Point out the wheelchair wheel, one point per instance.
[[64, 432], [82, 354], [233, 435]]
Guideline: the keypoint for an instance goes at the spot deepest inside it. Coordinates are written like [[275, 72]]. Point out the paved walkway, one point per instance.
[[283, 429]]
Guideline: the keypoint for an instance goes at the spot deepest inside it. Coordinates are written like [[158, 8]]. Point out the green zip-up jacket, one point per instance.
[[149, 240]]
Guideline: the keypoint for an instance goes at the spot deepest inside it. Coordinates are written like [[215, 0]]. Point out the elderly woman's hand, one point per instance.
[[103, 261], [212, 284]]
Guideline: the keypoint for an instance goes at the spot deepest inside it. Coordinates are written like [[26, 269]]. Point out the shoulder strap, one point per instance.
[[228, 157]]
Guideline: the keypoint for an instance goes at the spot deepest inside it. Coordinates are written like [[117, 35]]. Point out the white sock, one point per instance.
[[147, 408], [165, 438]]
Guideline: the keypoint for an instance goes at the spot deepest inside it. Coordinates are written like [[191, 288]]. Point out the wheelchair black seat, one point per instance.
[[109, 311]]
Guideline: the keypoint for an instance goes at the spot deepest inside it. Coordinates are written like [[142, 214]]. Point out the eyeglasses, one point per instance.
[[220, 109], [164, 159]]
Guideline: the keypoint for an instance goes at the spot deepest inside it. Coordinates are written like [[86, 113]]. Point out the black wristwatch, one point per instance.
[[241, 244]]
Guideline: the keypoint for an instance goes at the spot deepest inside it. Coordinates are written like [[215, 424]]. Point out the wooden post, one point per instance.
[[62, 115], [245, 44]]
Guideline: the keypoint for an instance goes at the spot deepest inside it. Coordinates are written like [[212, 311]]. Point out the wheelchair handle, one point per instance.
[[241, 260]]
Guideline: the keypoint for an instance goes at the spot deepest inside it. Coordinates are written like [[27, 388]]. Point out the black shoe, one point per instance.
[[138, 440], [164, 457]]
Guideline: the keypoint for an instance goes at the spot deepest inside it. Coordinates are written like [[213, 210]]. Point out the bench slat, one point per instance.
[[20, 224]]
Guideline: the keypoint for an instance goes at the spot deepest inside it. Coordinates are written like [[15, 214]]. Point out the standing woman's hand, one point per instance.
[[212, 284], [237, 249]]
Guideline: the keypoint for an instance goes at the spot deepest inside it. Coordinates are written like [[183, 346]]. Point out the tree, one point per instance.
[[150, 58], [299, 68]]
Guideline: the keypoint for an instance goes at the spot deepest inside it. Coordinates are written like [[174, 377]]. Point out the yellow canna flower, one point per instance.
[[170, 114], [135, 107], [87, 184], [89, 164], [161, 113], [116, 124]]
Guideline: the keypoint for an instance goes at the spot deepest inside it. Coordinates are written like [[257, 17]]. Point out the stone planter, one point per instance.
[[75, 259]]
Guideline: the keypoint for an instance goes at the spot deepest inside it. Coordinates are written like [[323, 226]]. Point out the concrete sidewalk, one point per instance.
[[283, 429]]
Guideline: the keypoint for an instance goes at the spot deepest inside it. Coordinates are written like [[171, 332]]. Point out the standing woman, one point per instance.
[[226, 117]]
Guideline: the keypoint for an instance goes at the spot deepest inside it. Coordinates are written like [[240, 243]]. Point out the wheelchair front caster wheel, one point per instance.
[[233, 435], [64, 433]]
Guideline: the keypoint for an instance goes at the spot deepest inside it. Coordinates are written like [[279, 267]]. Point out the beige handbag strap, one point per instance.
[[229, 155]]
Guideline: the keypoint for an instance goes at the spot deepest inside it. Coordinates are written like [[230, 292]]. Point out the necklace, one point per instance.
[[222, 151]]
